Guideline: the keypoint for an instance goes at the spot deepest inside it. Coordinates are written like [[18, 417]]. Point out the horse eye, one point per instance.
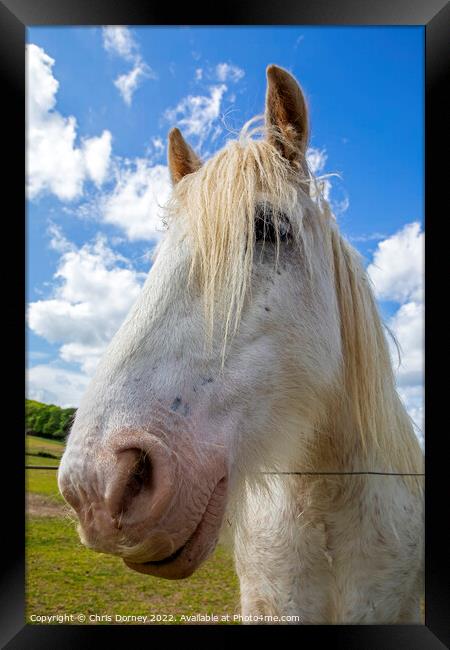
[[265, 228]]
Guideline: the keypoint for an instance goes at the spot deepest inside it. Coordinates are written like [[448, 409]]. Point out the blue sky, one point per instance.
[[100, 104]]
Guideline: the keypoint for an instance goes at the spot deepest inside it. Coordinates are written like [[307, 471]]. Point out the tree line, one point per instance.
[[47, 420]]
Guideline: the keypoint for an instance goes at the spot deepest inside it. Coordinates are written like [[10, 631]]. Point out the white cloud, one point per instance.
[[373, 236], [127, 84], [397, 275], [52, 385], [85, 355], [58, 241], [228, 72], [96, 288], [97, 153], [156, 150], [42, 85], [36, 355], [397, 267], [55, 163], [196, 114], [339, 207], [119, 40], [198, 74], [158, 144], [408, 327], [325, 188], [413, 399], [135, 204], [316, 159]]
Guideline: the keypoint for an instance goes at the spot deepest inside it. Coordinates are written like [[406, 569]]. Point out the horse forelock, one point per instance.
[[217, 204]]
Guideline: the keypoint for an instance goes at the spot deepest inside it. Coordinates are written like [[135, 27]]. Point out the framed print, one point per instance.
[[225, 323]]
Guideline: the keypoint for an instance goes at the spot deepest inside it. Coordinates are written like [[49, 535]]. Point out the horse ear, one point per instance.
[[286, 115], [181, 157]]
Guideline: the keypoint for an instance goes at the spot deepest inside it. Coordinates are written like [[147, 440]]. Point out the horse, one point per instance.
[[249, 396]]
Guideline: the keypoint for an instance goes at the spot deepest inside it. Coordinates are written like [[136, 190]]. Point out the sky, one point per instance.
[[100, 102]]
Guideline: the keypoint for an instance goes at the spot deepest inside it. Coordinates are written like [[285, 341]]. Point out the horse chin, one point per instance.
[[187, 558]]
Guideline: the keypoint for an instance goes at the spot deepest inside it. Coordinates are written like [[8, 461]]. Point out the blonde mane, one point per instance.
[[218, 203], [371, 397]]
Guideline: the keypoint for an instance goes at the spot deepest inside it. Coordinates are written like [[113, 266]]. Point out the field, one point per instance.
[[63, 577]]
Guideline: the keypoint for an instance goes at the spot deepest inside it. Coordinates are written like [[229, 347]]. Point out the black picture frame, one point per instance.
[[15, 16]]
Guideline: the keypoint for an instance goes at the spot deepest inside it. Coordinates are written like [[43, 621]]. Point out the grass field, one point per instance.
[[63, 577], [43, 482]]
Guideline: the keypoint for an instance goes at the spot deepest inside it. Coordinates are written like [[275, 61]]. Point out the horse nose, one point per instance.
[[140, 486], [132, 475], [126, 486]]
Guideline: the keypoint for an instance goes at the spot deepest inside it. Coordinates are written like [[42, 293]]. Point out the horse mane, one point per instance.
[[370, 393], [217, 204]]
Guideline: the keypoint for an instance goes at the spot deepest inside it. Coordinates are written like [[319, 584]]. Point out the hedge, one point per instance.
[[47, 420]]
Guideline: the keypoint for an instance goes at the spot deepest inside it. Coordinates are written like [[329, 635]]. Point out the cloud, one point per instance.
[[55, 164], [397, 275], [128, 83], [408, 327], [373, 236], [316, 159], [196, 114], [95, 288], [413, 399], [156, 149], [97, 153], [228, 72], [58, 242], [339, 207], [53, 385], [135, 204], [397, 267], [36, 355], [119, 40], [158, 144]]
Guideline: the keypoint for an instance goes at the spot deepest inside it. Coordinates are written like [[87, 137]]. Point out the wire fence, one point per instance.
[[286, 473]]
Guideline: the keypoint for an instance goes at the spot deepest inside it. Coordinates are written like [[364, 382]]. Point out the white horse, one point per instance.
[[250, 390]]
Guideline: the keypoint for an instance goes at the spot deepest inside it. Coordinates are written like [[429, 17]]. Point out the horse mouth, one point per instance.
[[169, 558], [187, 558]]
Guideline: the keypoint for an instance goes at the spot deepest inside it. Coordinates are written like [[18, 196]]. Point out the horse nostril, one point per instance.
[[140, 477], [132, 474]]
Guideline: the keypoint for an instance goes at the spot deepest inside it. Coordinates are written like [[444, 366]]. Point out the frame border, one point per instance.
[[434, 15]]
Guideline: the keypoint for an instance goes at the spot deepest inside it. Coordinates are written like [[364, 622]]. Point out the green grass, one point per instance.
[[34, 445], [34, 459], [43, 481], [63, 577], [40, 481]]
